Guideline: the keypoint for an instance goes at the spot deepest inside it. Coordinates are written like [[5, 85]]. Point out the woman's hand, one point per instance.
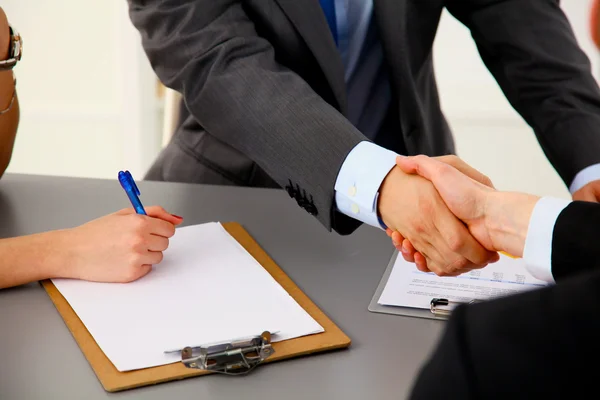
[[120, 247]]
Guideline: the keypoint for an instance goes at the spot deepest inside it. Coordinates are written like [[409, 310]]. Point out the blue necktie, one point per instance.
[[328, 7]]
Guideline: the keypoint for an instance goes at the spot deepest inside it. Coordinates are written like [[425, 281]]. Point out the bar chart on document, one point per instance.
[[409, 287]]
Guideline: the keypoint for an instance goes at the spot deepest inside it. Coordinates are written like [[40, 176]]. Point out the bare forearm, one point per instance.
[[32, 258]]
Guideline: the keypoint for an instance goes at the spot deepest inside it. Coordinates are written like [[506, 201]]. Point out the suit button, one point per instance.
[[352, 191], [355, 208]]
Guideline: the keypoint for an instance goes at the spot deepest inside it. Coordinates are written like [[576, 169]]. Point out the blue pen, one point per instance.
[[128, 184]]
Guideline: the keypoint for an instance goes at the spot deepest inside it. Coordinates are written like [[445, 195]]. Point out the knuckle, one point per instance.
[[135, 260], [131, 275], [139, 223], [426, 206], [459, 267], [456, 242], [435, 268], [137, 243], [460, 264], [452, 159], [419, 229], [144, 224], [445, 171]]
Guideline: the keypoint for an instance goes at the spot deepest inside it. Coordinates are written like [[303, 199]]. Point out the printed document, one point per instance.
[[409, 287], [207, 289]]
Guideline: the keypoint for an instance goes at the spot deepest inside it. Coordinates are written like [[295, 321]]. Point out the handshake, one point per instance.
[[447, 218]]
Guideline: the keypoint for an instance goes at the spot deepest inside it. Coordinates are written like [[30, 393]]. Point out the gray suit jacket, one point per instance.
[[264, 84]]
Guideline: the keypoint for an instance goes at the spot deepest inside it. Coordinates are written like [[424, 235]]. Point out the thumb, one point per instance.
[[161, 213], [466, 169], [406, 164], [420, 165]]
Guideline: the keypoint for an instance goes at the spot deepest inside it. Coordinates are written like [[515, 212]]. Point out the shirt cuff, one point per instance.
[[357, 184], [585, 176], [538, 244]]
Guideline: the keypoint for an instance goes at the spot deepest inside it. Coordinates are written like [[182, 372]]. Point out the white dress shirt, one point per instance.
[[538, 244]]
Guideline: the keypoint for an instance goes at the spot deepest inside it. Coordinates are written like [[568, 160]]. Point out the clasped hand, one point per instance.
[[434, 211]]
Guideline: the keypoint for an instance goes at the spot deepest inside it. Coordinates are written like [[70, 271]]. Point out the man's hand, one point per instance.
[[497, 220], [411, 205], [405, 246], [466, 169], [590, 192]]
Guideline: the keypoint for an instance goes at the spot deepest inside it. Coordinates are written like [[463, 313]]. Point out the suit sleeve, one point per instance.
[[209, 51], [576, 240], [530, 48], [534, 344]]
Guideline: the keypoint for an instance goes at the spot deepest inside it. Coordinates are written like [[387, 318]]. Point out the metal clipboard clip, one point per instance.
[[436, 306], [231, 358]]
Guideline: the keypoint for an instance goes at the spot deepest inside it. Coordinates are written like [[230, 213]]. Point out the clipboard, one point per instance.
[[112, 380], [375, 307]]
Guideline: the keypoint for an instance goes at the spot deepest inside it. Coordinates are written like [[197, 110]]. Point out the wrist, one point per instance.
[[60, 261], [507, 218], [385, 198]]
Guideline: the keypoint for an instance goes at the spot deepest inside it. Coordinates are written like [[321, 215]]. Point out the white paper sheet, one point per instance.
[[207, 289], [409, 287]]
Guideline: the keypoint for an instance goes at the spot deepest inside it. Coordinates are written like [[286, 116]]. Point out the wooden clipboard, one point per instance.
[[113, 381]]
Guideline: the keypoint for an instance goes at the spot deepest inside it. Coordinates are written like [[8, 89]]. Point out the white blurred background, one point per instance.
[[91, 105]]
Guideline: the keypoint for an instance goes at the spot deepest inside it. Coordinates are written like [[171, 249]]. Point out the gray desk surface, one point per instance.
[[40, 360]]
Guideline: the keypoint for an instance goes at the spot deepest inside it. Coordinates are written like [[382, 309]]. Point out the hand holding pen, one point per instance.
[[123, 246], [119, 247]]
